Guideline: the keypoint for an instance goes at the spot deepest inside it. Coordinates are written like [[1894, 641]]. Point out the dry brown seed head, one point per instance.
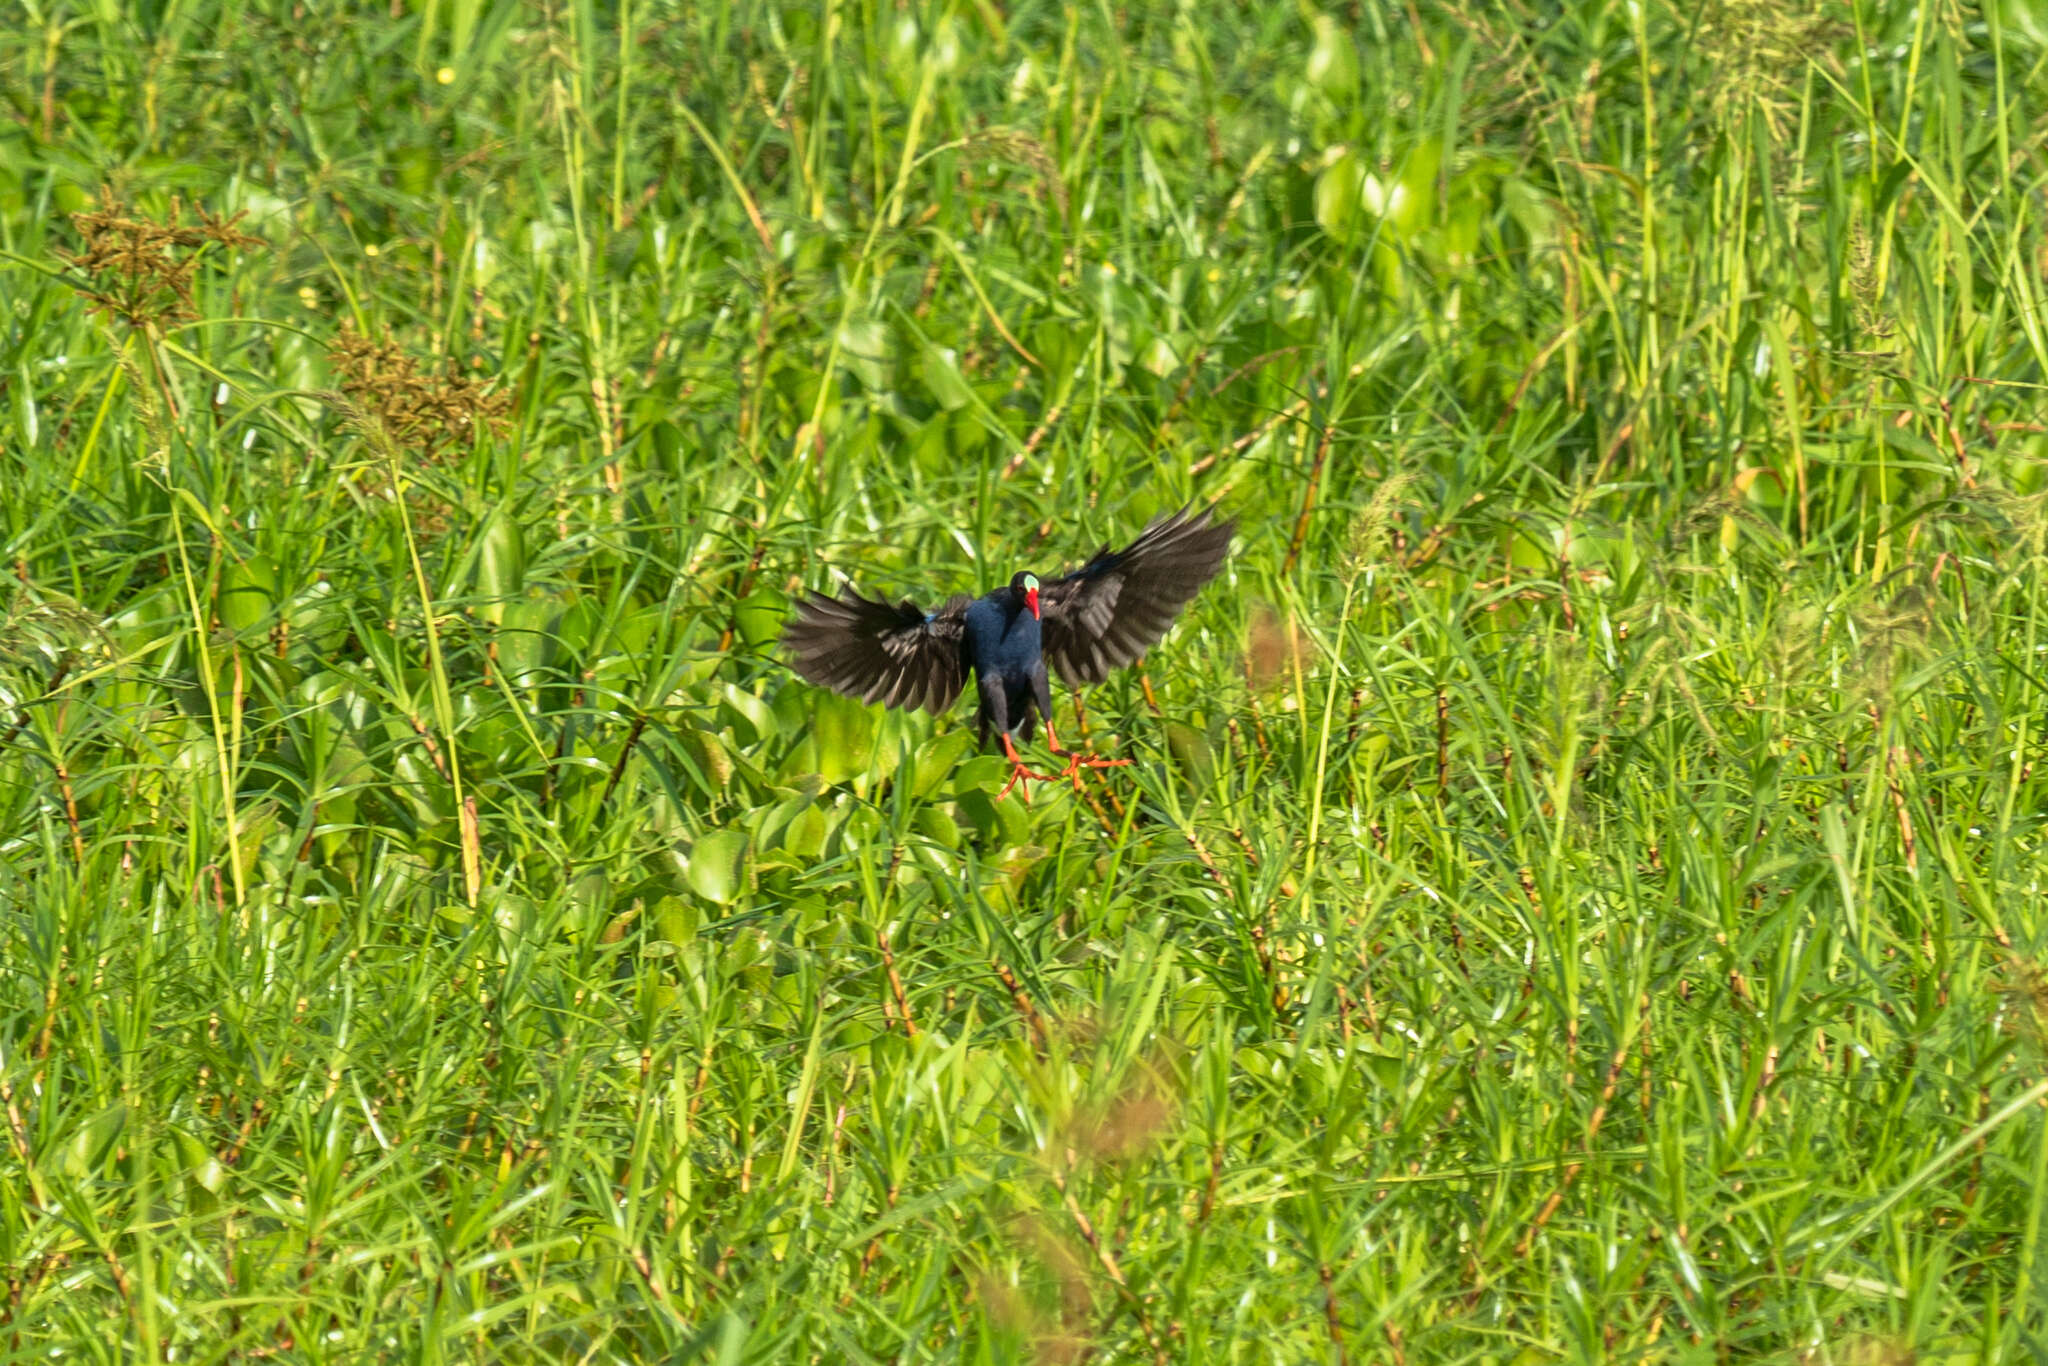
[[140, 270], [420, 411]]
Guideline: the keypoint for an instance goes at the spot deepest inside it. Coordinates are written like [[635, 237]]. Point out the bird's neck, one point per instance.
[[1022, 623]]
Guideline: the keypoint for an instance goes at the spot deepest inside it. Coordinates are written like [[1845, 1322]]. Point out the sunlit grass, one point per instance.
[[1577, 895]]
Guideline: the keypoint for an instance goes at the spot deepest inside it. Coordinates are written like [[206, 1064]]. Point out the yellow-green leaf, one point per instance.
[[717, 865], [248, 593]]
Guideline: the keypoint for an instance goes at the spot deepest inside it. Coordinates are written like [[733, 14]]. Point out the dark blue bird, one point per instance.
[[1101, 617]]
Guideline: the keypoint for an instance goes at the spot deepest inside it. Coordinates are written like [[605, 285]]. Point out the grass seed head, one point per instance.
[[418, 411], [1866, 289], [1373, 529], [2023, 988], [1758, 51], [1022, 149], [140, 270], [1890, 637], [2018, 519], [39, 630]]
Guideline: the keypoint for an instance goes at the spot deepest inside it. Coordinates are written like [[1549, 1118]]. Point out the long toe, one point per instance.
[[1020, 777], [1076, 762]]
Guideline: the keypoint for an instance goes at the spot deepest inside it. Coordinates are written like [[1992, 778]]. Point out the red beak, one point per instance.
[[1031, 601]]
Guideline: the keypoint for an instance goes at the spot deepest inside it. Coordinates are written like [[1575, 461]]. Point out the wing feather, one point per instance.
[[897, 654], [1111, 610]]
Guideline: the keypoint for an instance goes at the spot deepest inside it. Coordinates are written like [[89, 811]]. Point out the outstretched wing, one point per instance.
[[900, 656], [1111, 610]]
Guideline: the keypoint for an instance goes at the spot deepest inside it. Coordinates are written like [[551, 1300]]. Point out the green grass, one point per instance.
[[1578, 892]]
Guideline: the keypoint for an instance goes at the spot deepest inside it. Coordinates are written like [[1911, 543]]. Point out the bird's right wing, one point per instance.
[[900, 655]]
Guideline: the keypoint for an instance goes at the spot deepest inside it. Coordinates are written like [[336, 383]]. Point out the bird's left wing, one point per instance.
[[1111, 610], [900, 655]]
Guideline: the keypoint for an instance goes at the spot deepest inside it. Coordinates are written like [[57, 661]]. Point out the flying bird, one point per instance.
[[1085, 624]]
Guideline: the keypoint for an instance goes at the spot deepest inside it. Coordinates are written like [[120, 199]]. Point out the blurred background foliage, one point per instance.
[[1578, 895]]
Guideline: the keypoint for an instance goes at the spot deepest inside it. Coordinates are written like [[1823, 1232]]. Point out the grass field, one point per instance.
[[1578, 892]]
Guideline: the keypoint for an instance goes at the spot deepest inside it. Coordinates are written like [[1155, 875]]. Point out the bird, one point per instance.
[[1084, 624]]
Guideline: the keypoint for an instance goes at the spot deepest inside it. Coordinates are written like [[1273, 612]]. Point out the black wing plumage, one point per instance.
[[900, 655], [1111, 610]]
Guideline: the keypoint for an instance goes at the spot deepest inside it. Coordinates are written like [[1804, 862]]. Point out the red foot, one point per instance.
[[1075, 761], [1020, 773]]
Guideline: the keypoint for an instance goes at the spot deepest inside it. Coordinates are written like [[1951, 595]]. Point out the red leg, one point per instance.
[[1075, 760], [1019, 774]]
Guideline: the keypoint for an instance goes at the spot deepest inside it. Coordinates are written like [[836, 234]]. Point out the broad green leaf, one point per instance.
[[248, 593], [804, 837], [843, 730], [1337, 197], [201, 1166], [942, 376], [523, 641], [675, 919], [933, 823], [751, 712], [868, 351], [1411, 202], [1333, 62], [501, 563], [936, 759], [759, 616], [87, 1148], [717, 865], [982, 773]]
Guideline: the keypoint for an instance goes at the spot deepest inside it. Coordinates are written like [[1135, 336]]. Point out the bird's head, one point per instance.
[[1025, 586]]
